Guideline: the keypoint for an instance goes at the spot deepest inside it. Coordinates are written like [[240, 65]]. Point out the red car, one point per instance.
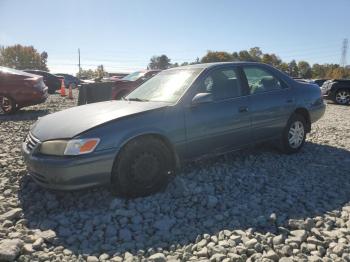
[[128, 83], [19, 89]]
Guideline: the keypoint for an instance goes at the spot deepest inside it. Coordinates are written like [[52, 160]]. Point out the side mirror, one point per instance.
[[202, 98]]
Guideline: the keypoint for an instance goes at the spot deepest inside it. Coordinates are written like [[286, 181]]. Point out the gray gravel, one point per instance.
[[252, 205]]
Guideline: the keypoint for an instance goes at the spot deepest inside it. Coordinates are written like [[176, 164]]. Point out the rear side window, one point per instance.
[[260, 80], [222, 84]]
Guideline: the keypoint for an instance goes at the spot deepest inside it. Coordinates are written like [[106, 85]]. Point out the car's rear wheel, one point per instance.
[[7, 105], [294, 134], [342, 97], [143, 167]]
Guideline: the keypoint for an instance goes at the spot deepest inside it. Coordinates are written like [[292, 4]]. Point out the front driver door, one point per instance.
[[224, 123]]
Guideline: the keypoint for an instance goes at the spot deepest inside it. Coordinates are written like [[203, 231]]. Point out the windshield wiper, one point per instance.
[[137, 99]]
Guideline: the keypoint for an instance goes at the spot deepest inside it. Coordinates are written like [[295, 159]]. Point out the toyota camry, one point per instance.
[[135, 144]]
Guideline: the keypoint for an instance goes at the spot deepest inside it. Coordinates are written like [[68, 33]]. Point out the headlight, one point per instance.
[[69, 147]]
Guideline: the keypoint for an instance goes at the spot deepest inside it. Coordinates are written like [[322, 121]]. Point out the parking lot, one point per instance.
[[255, 203]]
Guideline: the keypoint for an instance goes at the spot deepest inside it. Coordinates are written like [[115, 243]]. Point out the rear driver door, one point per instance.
[[272, 102]]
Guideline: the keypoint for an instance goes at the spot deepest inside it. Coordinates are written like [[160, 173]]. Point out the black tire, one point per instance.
[[8, 105], [342, 97], [296, 121], [143, 167]]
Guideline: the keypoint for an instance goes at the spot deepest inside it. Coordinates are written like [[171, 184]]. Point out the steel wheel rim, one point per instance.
[[5, 104], [145, 169], [342, 97], [296, 134]]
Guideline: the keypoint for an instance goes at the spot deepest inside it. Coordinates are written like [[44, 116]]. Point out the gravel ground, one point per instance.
[[252, 205]]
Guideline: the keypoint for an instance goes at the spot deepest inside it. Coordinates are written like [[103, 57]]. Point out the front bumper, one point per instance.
[[317, 111], [70, 172]]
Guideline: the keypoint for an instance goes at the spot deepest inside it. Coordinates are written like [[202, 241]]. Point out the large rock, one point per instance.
[[251, 243], [47, 235], [10, 249], [12, 214], [164, 224], [158, 257]]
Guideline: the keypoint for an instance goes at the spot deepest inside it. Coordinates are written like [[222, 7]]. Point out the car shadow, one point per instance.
[[235, 191], [24, 114]]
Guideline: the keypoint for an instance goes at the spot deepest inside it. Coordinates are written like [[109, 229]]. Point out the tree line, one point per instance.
[[293, 68], [23, 57], [27, 57]]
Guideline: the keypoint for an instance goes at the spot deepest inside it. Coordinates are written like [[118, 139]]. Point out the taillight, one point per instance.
[[39, 84]]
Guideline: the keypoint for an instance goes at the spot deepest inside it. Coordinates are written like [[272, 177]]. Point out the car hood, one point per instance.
[[74, 121]]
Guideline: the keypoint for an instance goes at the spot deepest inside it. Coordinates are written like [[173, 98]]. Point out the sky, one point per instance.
[[124, 35]]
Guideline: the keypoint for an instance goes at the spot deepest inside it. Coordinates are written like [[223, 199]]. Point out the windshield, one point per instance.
[[134, 76], [167, 86]]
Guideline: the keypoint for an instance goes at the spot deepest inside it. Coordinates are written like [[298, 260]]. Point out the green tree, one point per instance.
[[271, 59], [293, 69], [244, 56], [284, 67], [235, 56], [23, 57], [304, 69], [255, 54], [216, 56], [318, 71], [159, 62], [100, 71], [197, 61], [87, 74]]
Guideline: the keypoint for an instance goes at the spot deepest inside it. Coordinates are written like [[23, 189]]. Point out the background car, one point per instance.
[[320, 82], [19, 89], [52, 82], [128, 83], [69, 80], [180, 114], [338, 90], [115, 76]]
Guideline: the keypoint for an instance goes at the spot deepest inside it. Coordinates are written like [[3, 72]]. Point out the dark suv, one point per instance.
[[69, 80], [338, 90]]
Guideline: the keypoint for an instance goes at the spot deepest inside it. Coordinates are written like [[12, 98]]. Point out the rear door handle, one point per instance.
[[289, 101], [243, 109]]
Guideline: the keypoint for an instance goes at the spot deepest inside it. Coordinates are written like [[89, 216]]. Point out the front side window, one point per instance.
[[222, 84], [260, 80]]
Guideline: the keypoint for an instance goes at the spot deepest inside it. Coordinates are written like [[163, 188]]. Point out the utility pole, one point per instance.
[[344, 53], [79, 63]]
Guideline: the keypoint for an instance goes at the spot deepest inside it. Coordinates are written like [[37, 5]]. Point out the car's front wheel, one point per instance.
[[142, 167], [8, 105], [342, 97], [294, 134]]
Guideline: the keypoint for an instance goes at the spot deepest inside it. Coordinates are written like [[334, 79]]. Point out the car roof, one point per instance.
[[39, 72], [215, 64], [35, 70], [15, 71]]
